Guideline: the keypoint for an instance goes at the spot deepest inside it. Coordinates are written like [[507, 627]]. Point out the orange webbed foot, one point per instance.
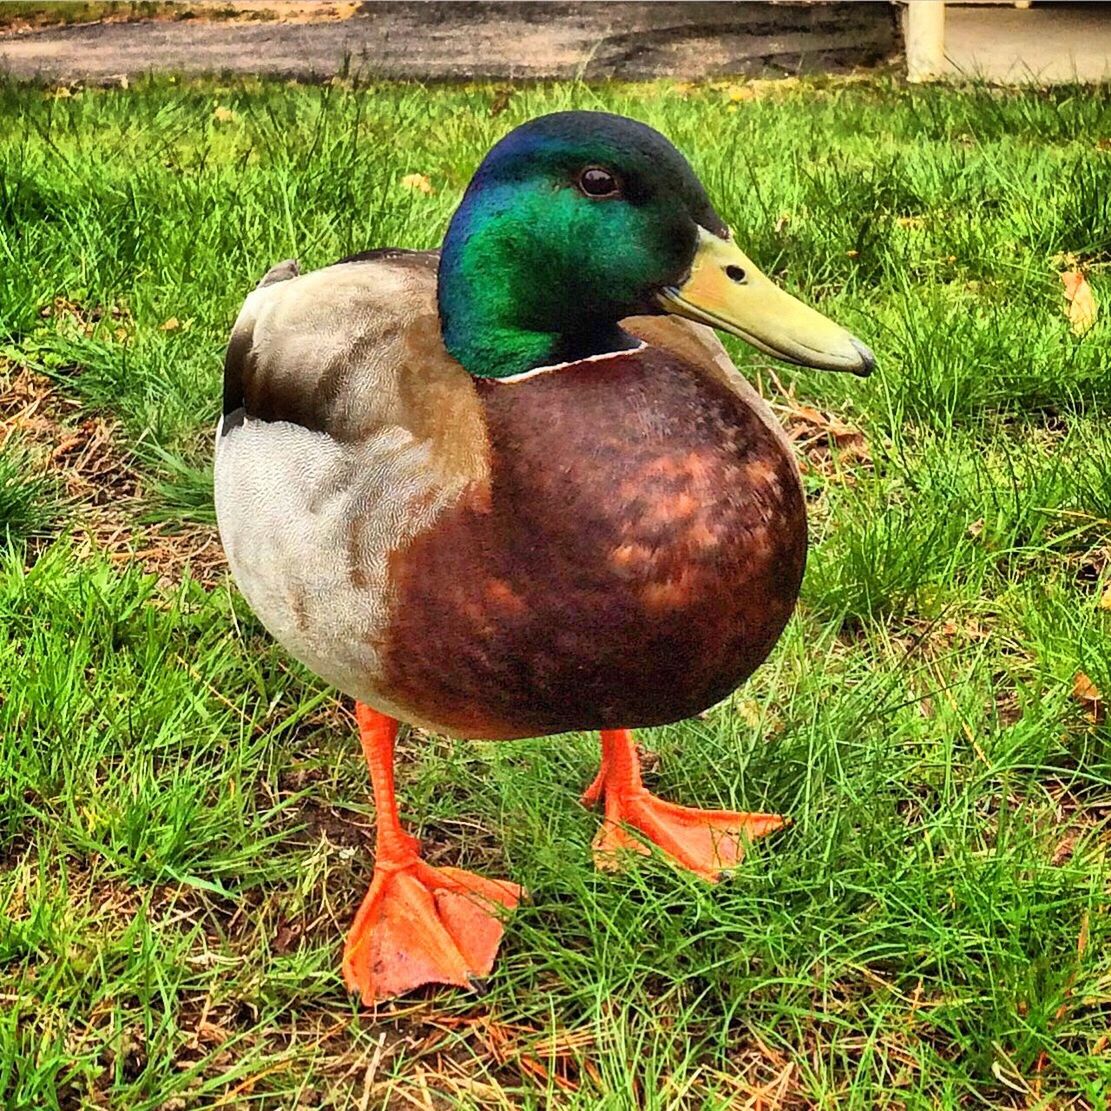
[[424, 925], [417, 924], [706, 842]]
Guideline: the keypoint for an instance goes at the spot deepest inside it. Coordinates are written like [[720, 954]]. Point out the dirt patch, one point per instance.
[[85, 456], [22, 18]]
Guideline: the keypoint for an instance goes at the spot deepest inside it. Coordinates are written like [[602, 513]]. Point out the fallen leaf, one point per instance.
[[1081, 308], [286, 937], [1088, 695], [1063, 851], [1105, 600], [815, 433], [500, 102], [748, 710], [418, 182], [170, 325]]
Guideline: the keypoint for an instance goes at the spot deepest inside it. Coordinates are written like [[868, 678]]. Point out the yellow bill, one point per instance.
[[726, 291]]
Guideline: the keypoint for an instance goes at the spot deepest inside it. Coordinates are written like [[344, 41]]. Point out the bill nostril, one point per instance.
[[735, 273]]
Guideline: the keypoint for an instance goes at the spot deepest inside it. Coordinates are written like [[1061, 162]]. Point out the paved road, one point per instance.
[[96, 52], [481, 39]]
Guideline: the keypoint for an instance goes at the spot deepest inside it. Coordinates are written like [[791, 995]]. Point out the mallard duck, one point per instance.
[[516, 488]]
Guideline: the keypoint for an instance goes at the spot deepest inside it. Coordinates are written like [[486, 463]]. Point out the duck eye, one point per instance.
[[596, 182]]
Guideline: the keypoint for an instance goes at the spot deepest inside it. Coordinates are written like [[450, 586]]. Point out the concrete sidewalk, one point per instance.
[[1044, 46]]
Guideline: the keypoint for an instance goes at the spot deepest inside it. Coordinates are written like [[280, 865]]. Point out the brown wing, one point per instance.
[[351, 430], [353, 349]]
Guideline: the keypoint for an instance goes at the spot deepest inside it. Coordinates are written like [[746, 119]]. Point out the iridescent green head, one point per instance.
[[579, 219]]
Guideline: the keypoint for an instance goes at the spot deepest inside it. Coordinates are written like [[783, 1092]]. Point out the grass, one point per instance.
[[29, 502], [184, 822]]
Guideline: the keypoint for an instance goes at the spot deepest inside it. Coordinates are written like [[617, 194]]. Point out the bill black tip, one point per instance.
[[867, 359]]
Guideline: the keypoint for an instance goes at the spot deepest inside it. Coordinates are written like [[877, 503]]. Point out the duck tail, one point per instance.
[[280, 272]]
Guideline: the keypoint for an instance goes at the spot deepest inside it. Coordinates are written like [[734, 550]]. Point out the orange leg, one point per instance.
[[706, 842], [417, 924]]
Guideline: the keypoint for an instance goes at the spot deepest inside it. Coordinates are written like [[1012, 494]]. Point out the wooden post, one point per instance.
[[925, 39]]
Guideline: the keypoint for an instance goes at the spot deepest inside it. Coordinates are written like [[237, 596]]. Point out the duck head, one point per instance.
[[577, 220]]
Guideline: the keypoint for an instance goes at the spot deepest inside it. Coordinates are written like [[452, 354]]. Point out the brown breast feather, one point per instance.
[[635, 554]]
